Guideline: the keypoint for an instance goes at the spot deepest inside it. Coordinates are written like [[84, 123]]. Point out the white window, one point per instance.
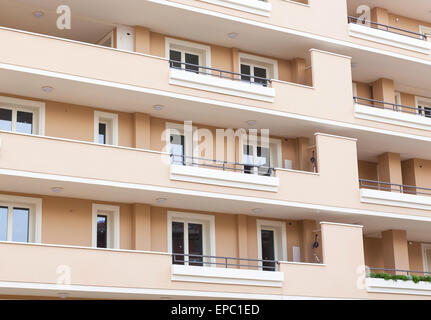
[[105, 128], [423, 106], [190, 237], [180, 144], [257, 69], [188, 54], [355, 89], [260, 159], [272, 244], [20, 219], [24, 116], [105, 226]]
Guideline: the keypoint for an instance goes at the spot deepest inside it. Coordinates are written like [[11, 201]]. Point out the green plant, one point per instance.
[[396, 277]]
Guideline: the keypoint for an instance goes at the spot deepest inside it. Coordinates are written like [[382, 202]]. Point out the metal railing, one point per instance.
[[401, 188], [392, 106], [407, 272], [380, 26], [221, 164], [203, 260], [219, 73]]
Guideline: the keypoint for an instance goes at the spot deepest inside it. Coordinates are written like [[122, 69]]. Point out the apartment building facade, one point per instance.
[[215, 149]]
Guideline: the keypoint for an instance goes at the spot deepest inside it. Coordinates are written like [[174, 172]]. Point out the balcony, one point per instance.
[[385, 34], [376, 110], [75, 272], [259, 7], [393, 194]]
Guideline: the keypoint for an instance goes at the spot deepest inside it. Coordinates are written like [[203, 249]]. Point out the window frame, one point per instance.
[[272, 141], [190, 149], [419, 100], [279, 228], [208, 232], [425, 246], [425, 31], [34, 205], [37, 108], [113, 218], [203, 51], [260, 62], [111, 121]]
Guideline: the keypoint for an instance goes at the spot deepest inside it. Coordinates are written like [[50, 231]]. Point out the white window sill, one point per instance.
[[393, 117], [398, 287], [262, 8], [395, 199], [224, 178], [227, 276], [389, 38], [219, 85]]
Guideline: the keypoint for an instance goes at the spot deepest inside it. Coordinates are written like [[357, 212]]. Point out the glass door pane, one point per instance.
[[175, 56], [194, 60], [177, 242], [268, 249], [24, 122], [263, 159], [5, 119], [245, 72], [20, 224], [102, 231], [428, 259], [195, 244], [177, 149], [260, 73], [3, 223], [248, 159]]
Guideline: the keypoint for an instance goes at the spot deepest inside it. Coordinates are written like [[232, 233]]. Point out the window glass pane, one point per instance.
[[261, 73], [268, 249], [177, 242], [24, 122], [263, 159], [192, 59], [102, 231], [245, 70], [195, 244], [102, 133], [175, 56], [3, 223], [20, 218], [5, 119], [177, 149]]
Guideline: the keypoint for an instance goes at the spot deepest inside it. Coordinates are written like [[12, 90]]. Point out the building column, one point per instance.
[[141, 131], [142, 40], [303, 162], [141, 227], [380, 15], [307, 228], [298, 70], [389, 169], [395, 250], [384, 90], [242, 237]]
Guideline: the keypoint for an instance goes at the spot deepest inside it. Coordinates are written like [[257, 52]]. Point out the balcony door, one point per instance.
[[191, 238], [424, 106], [426, 253], [258, 159], [272, 243]]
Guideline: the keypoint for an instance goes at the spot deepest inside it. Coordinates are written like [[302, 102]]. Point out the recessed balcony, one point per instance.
[[398, 195], [385, 34], [376, 110], [259, 7]]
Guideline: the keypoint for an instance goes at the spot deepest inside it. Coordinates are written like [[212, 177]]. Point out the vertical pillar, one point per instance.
[[383, 90], [142, 40], [395, 250], [307, 227], [380, 15], [141, 130], [141, 227], [235, 61], [303, 162], [298, 70], [389, 168], [242, 237]]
